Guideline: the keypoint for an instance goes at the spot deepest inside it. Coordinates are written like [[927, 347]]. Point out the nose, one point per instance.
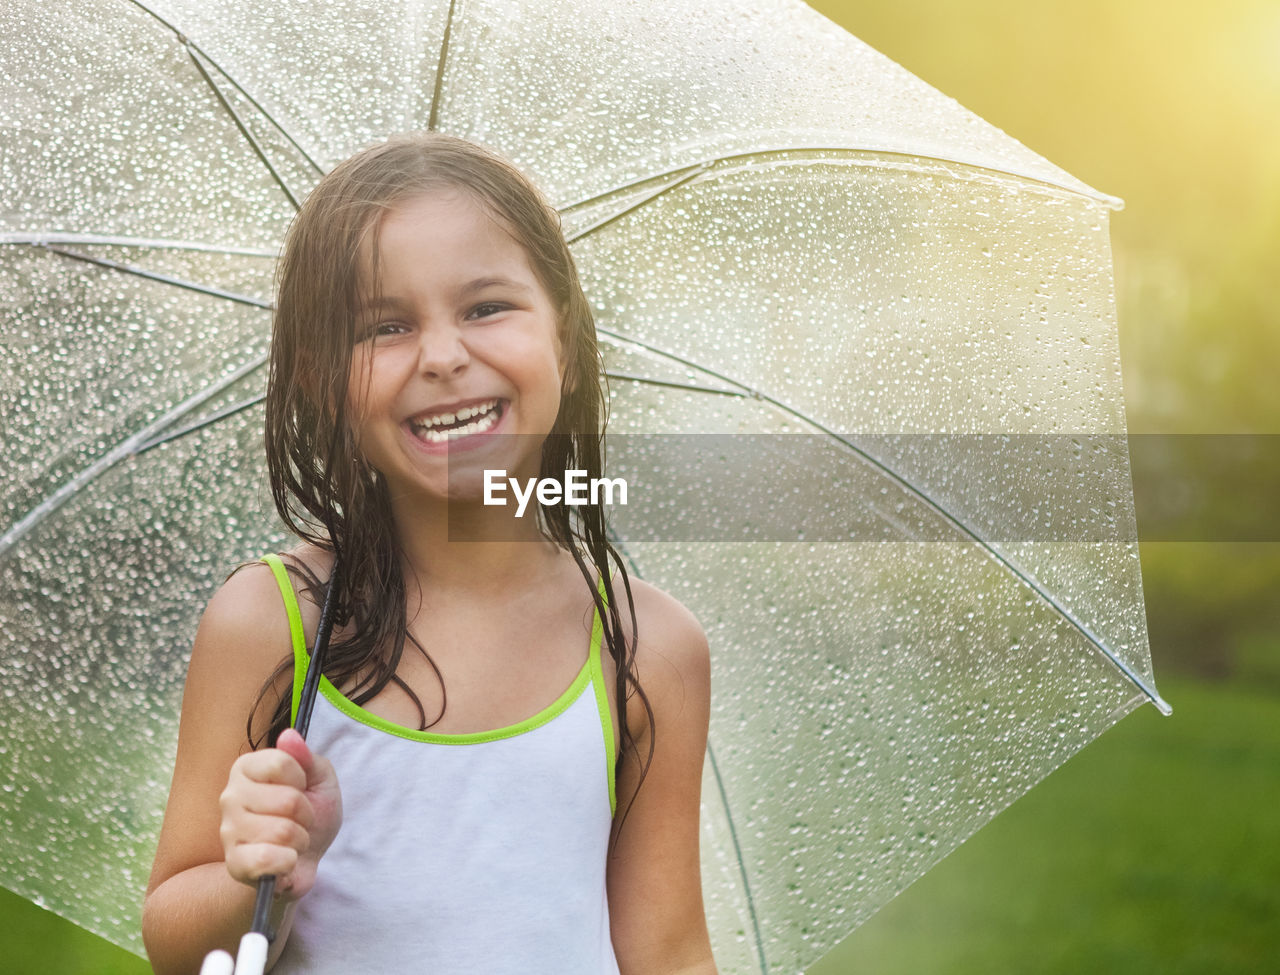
[[442, 354]]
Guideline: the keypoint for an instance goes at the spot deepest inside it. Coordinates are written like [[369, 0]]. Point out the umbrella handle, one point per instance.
[[262, 906], [311, 682], [252, 957]]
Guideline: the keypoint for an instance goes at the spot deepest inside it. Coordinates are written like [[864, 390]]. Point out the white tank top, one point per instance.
[[473, 854]]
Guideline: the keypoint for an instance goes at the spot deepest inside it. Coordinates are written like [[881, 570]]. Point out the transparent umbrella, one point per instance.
[[791, 243]]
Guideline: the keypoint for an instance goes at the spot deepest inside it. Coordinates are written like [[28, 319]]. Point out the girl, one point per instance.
[[503, 768]]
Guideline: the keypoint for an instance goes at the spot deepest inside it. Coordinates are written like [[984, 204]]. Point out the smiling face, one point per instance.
[[458, 352]]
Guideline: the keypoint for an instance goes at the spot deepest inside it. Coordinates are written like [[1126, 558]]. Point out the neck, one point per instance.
[[462, 547]]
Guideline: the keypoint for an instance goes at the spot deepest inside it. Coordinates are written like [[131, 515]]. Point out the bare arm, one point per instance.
[[655, 892], [233, 815]]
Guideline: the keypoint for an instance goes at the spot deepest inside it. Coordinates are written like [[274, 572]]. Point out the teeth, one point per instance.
[[466, 413], [485, 413]]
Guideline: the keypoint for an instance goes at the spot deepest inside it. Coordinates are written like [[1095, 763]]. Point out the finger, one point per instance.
[[273, 800], [248, 829], [249, 861], [316, 767], [271, 765], [322, 776], [295, 746]]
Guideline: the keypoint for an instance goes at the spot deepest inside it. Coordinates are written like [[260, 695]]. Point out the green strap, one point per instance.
[[296, 632], [602, 700]]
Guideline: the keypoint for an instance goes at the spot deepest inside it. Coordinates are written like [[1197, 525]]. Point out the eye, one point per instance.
[[379, 329], [487, 309]]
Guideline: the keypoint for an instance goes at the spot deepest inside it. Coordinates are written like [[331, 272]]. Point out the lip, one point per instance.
[[455, 445]]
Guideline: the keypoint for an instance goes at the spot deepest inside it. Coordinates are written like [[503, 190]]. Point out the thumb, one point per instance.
[[295, 746]]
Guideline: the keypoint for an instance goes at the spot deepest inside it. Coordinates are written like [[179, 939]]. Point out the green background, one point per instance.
[[1157, 848]]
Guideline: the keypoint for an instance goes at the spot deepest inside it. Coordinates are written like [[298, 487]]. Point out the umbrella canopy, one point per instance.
[[783, 233]]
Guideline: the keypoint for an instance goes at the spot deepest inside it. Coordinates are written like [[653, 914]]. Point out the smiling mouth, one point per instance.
[[443, 427]]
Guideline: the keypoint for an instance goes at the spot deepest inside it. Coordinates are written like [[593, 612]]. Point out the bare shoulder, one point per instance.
[[248, 601], [665, 625], [243, 635], [251, 602], [673, 660], [244, 638]]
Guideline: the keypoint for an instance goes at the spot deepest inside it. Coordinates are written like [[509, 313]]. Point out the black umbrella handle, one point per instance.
[[262, 907], [310, 684]]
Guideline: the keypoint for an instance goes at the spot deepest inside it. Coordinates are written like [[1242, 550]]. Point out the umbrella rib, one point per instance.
[[125, 449], [244, 129], [1137, 679], [140, 272], [437, 89], [672, 384], [742, 863], [209, 420], [714, 161], [192, 46], [153, 243], [682, 176]]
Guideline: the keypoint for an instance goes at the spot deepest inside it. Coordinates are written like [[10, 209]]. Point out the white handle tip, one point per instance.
[[218, 962], [251, 959]]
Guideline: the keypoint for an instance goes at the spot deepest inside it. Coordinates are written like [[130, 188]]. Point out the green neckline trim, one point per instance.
[[590, 673], [556, 708]]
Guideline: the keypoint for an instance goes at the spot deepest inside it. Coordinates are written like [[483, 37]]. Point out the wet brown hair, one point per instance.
[[329, 496]]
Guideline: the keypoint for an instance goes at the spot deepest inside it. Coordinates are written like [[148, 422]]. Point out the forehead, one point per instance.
[[439, 234]]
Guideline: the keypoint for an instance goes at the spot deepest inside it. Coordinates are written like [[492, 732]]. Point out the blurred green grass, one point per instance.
[[37, 942], [1156, 849]]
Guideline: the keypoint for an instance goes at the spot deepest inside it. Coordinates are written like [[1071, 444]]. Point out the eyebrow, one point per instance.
[[479, 284], [385, 303], [380, 305]]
